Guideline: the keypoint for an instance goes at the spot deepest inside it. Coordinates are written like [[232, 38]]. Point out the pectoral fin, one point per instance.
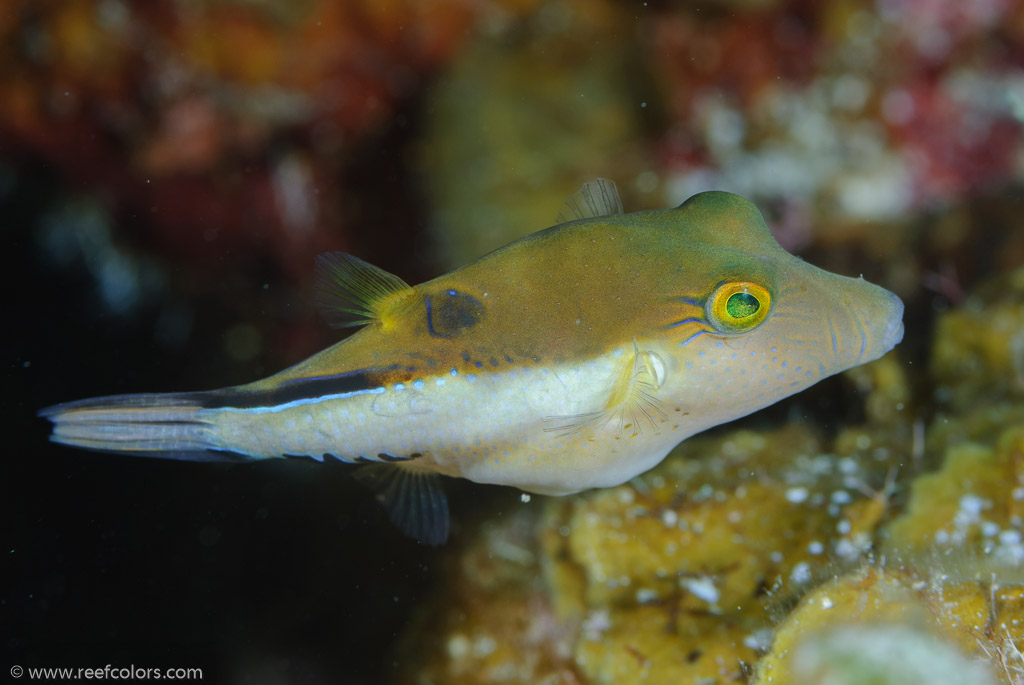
[[414, 500], [632, 404], [351, 292]]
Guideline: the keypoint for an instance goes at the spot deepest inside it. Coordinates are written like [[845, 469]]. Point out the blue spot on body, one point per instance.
[[775, 349], [418, 385], [753, 354], [399, 387], [785, 364], [478, 364], [719, 343], [454, 371], [689, 366], [508, 359]]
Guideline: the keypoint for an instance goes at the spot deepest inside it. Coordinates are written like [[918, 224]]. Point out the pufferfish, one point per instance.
[[576, 357]]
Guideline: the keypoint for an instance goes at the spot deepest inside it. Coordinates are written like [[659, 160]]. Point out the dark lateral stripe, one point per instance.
[[297, 389]]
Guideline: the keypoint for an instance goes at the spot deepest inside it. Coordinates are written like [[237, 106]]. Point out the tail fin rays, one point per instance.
[[169, 426]]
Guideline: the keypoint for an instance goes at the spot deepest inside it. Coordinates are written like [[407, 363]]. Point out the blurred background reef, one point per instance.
[[169, 170]]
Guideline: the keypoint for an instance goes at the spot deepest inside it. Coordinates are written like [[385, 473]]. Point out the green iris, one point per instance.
[[742, 305]]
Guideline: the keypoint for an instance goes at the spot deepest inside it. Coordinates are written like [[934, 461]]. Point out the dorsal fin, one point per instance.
[[414, 500], [351, 292], [599, 197]]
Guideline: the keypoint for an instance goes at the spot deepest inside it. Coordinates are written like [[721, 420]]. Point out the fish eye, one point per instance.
[[738, 306]]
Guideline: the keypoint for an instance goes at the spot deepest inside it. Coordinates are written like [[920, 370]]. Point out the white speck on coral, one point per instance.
[[848, 466], [596, 623], [841, 497], [826, 603], [524, 498], [669, 518], [760, 640], [458, 646], [973, 504], [845, 549], [796, 495], [1010, 537], [702, 588], [484, 645], [645, 595], [801, 573]]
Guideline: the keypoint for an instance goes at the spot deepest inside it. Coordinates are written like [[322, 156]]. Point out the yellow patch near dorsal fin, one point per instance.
[[351, 292], [631, 404], [599, 197]]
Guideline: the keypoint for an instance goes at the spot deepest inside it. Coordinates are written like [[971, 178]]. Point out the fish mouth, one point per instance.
[[879, 327], [894, 333]]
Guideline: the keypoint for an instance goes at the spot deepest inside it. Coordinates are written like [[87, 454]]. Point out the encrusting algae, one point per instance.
[[775, 557]]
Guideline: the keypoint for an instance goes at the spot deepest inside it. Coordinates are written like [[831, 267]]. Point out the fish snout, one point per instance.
[[875, 322], [894, 331]]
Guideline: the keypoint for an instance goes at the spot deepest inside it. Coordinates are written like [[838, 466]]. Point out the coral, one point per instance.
[[974, 505], [674, 577], [493, 621], [978, 353], [839, 110], [883, 627]]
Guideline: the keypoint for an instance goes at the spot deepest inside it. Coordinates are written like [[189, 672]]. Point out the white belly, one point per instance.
[[519, 427]]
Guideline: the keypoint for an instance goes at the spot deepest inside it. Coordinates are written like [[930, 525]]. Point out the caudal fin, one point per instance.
[[169, 426]]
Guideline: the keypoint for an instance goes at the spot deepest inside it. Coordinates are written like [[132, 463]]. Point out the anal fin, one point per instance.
[[632, 404], [414, 500]]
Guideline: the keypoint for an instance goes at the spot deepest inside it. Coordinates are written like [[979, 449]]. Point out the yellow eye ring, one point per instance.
[[738, 306]]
